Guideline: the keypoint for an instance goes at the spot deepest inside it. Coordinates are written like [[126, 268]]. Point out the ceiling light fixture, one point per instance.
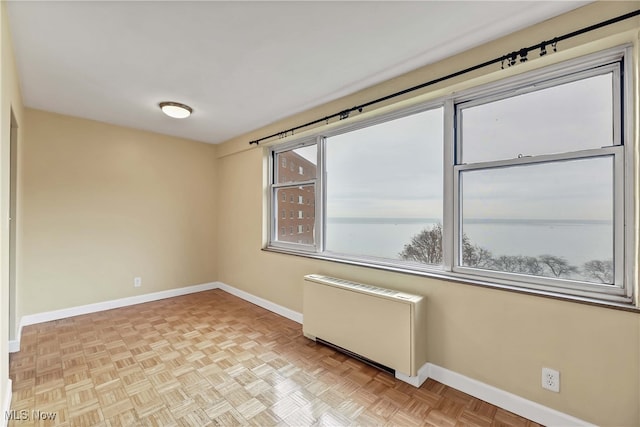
[[176, 110]]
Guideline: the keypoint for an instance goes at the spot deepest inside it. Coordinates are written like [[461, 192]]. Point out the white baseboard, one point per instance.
[[32, 319], [273, 307], [418, 380], [503, 399], [6, 405]]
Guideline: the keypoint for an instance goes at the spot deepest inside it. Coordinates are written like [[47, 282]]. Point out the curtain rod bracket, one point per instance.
[[543, 48]]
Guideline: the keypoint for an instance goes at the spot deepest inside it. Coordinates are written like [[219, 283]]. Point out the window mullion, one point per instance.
[[449, 191], [630, 177], [619, 219], [321, 195]]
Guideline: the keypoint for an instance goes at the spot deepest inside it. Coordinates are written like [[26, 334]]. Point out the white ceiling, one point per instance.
[[240, 65]]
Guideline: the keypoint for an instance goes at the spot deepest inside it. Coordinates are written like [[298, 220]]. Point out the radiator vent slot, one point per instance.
[[374, 290], [357, 356], [385, 327]]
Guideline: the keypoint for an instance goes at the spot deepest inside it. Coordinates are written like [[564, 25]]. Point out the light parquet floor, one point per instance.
[[211, 359]]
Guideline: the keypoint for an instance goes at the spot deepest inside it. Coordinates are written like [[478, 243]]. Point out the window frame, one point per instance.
[[544, 81], [621, 294], [539, 282], [273, 241], [614, 61], [368, 260]]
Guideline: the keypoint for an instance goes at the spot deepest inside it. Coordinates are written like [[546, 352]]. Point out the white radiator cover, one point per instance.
[[383, 325]]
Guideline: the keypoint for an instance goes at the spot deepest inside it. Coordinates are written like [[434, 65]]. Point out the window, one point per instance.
[[295, 185], [567, 117], [301, 170], [284, 162], [384, 185], [284, 196], [525, 183], [564, 225], [538, 203]]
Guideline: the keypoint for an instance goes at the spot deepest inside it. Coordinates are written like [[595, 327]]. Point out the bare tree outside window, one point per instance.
[[426, 247]]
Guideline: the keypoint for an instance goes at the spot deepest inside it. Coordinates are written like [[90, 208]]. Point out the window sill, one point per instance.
[[464, 279]]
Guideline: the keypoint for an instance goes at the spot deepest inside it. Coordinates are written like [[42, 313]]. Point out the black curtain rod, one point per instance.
[[510, 59]]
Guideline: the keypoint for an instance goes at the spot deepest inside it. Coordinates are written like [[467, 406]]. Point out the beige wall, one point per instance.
[[10, 100], [497, 337], [102, 204]]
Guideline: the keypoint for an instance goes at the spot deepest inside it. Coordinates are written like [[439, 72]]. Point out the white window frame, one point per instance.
[[538, 282], [274, 243], [610, 61], [620, 294]]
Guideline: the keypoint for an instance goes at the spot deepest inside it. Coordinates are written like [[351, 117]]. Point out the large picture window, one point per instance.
[[384, 185], [524, 183]]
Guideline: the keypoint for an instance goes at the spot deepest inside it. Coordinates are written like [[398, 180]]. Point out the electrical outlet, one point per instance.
[[137, 282], [551, 379]]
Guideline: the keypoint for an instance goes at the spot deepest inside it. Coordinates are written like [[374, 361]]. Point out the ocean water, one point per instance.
[[577, 241]]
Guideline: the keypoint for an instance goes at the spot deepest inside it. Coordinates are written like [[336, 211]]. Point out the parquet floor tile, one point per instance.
[[211, 359]]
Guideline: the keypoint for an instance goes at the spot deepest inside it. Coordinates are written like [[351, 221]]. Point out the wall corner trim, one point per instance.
[[503, 399], [6, 405], [418, 380]]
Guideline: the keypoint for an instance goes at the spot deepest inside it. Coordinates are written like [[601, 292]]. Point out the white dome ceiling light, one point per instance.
[[176, 110]]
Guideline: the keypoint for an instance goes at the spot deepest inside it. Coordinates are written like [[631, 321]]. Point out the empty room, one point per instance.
[[313, 213]]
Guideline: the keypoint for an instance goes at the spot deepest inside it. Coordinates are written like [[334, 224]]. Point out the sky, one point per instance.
[[394, 169], [569, 117]]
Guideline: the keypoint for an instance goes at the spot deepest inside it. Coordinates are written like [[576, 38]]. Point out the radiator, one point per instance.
[[382, 325]]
